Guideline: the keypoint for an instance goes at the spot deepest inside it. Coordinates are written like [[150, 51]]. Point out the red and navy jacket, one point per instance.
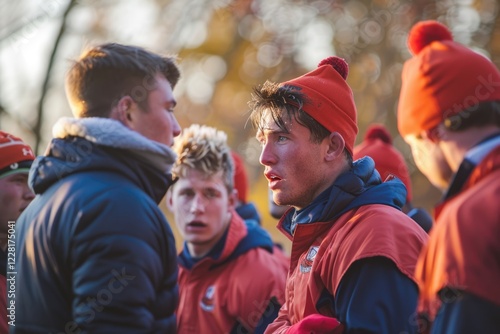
[[459, 269], [249, 213], [353, 256], [238, 287]]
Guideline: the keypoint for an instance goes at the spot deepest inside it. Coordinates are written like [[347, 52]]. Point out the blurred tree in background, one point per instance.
[[225, 48]]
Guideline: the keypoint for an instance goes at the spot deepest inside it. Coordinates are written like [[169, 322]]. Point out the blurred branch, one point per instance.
[[21, 27], [45, 86], [19, 120], [2, 111]]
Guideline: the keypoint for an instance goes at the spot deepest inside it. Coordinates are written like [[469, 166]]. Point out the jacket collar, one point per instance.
[[478, 162], [111, 133], [359, 186]]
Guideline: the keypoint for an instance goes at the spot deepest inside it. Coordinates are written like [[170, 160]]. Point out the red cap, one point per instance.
[[441, 79], [240, 177], [332, 100], [378, 145], [15, 155]]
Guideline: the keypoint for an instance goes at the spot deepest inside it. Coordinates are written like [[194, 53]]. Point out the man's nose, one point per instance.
[[198, 204]]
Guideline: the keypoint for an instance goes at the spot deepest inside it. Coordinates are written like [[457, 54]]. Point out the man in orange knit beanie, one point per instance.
[[389, 162], [449, 113], [353, 251]]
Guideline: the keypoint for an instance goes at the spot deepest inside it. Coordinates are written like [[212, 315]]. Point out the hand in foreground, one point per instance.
[[317, 324]]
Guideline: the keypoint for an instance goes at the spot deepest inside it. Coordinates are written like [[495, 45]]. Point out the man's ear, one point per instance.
[[233, 198], [335, 146], [436, 134], [122, 110], [169, 199]]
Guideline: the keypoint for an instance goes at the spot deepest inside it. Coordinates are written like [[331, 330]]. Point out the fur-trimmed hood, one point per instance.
[[111, 133], [101, 144]]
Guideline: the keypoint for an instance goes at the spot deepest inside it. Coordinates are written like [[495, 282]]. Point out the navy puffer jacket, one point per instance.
[[94, 252]]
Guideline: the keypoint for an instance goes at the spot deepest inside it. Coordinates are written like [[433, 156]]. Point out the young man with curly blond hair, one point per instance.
[[229, 279]]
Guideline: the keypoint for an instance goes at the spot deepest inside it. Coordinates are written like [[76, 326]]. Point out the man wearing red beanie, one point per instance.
[[389, 162], [449, 113], [15, 161], [353, 251]]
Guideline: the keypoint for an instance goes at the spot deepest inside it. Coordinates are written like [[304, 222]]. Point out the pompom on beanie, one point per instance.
[[332, 101], [442, 79], [377, 144], [15, 155]]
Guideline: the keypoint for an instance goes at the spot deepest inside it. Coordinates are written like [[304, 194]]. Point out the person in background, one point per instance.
[[353, 250], [246, 209], [449, 114], [229, 279], [377, 144], [16, 158], [94, 251]]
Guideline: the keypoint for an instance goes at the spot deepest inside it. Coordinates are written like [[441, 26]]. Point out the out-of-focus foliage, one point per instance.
[[227, 47]]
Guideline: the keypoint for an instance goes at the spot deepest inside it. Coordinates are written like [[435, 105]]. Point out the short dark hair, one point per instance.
[[285, 103], [483, 113], [107, 72]]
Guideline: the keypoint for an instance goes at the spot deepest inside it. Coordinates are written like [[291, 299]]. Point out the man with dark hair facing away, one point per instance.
[[94, 251]]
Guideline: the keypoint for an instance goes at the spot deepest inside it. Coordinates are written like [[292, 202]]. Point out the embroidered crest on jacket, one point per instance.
[[207, 302], [306, 264]]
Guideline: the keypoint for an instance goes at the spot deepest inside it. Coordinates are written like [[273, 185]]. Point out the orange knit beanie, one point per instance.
[[332, 100], [442, 79], [378, 145]]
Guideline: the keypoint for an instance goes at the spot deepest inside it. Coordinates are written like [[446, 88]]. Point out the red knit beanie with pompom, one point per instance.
[[377, 144], [442, 79], [332, 100]]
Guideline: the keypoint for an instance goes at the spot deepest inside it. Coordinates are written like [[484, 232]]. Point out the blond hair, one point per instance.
[[204, 149]]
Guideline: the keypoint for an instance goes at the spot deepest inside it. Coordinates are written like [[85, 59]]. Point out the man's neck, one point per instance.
[[198, 252]]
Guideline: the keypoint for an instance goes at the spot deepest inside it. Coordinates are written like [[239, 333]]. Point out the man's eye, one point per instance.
[[282, 138], [186, 193], [20, 179], [211, 194]]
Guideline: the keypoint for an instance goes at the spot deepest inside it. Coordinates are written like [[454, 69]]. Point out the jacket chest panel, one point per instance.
[[204, 299]]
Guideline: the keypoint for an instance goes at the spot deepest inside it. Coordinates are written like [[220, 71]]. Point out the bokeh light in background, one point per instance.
[[225, 48]]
